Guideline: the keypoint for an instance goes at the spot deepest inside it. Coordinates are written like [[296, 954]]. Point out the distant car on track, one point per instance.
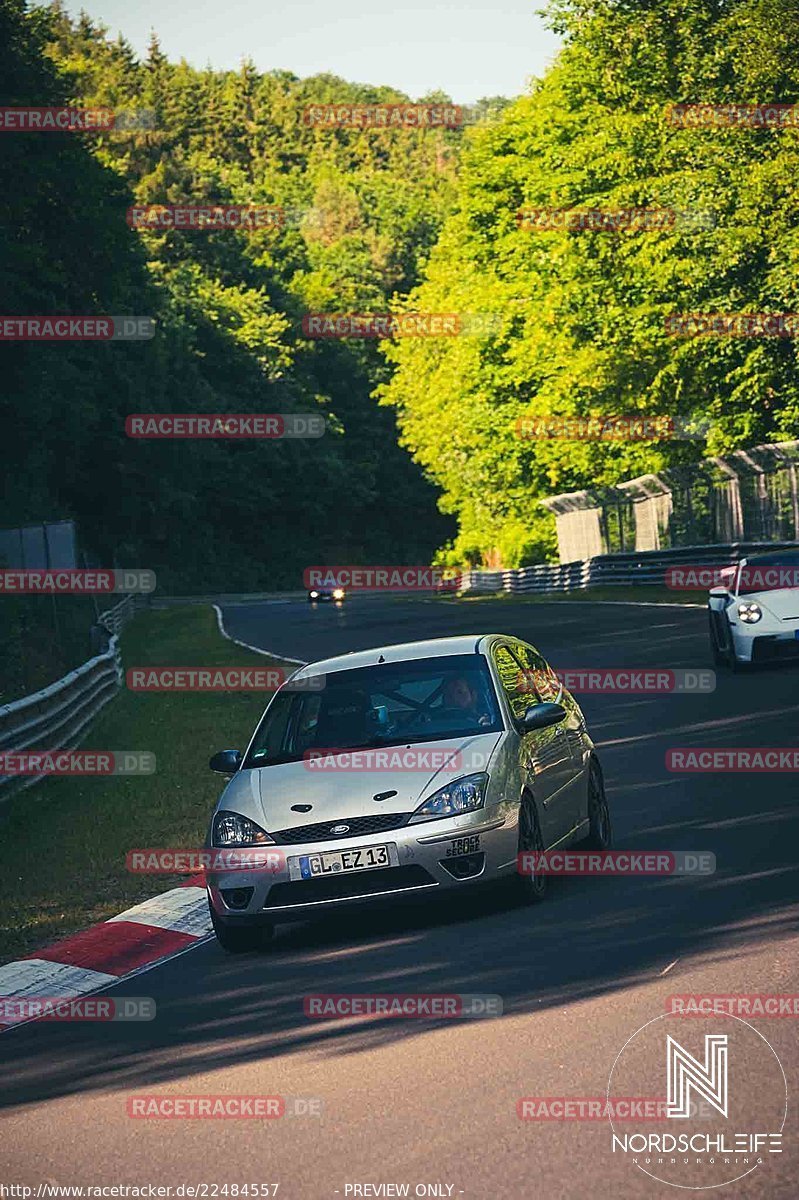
[[417, 769], [316, 595], [754, 613]]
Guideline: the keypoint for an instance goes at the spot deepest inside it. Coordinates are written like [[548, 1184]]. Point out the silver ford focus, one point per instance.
[[399, 772]]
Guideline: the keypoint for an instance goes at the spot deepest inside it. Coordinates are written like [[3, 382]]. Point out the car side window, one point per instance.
[[544, 683], [514, 683], [274, 731]]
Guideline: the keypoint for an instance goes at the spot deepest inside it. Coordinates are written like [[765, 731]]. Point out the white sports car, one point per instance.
[[410, 770], [754, 612]]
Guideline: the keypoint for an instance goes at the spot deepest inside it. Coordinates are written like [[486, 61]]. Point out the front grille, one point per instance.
[[358, 827], [341, 887], [767, 648]]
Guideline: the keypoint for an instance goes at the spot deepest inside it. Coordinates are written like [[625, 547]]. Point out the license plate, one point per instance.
[[796, 633], [339, 862]]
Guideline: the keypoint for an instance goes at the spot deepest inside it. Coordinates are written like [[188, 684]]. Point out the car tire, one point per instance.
[[531, 888], [724, 657], [600, 828], [736, 665], [720, 658], [241, 939]]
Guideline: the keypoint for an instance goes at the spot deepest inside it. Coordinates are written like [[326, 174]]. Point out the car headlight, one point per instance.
[[338, 593], [232, 829], [314, 595], [461, 796], [749, 613]]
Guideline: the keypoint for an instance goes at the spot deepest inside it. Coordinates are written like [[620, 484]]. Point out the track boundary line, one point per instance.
[[301, 662]]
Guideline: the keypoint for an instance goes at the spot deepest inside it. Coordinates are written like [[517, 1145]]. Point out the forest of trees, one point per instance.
[[421, 455], [228, 306], [584, 311]]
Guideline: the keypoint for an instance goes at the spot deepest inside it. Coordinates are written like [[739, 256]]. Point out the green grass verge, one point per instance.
[[641, 594], [42, 638], [63, 842]]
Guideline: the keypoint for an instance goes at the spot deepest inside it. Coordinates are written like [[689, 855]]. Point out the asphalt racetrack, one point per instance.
[[432, 1104]]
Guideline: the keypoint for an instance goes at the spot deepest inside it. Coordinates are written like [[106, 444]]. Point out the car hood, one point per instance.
[[268, 794], [782, 603]]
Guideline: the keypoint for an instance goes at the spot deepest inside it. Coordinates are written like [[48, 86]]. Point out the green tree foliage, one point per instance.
[[583, 312], [228, 307]]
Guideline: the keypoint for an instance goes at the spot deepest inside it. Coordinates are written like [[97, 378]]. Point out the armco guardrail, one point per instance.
[[57, 717], [114, 619], [648, 567]]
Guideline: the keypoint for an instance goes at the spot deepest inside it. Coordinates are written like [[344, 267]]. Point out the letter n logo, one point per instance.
[[708, 1079]]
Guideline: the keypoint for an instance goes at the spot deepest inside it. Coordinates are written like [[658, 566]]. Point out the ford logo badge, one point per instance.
[[339, 828]]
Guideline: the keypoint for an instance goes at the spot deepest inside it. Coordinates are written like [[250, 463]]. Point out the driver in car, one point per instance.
[[459, 694]]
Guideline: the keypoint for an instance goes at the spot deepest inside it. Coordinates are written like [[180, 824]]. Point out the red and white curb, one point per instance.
[[126, 945], [113, 950]]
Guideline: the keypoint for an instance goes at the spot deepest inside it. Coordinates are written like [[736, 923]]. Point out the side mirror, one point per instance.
[[541, 716], [226, 762]]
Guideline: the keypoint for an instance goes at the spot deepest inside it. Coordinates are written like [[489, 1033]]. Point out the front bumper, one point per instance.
[[755, 644], [434, 856]]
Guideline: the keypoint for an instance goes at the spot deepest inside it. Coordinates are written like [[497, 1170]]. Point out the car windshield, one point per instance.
[[390, 704], [769, 572]]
